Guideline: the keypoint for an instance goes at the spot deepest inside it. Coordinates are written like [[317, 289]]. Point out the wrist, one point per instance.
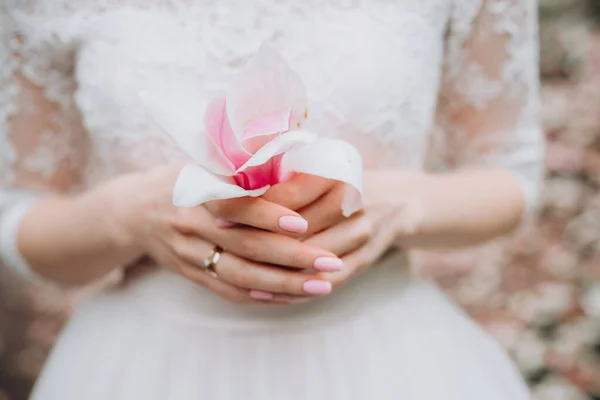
[[137, 202], [123, 205], [406, 194]]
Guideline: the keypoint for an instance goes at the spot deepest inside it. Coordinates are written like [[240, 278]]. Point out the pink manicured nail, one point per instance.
[[293, 224], [260, 295], [328, 264], [317, 287], [223, 223]]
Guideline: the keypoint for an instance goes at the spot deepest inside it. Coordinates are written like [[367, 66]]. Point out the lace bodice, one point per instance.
[[400, 79]]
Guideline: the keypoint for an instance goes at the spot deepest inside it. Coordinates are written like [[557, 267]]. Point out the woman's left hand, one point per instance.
[[365, 237]]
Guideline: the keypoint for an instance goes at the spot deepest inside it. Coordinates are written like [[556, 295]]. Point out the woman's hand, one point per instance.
[[181, 238], [361, 240], [418, 210], [317, 200]]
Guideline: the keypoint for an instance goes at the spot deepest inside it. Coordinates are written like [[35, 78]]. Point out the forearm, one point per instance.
[[75, 239], [457, 209]]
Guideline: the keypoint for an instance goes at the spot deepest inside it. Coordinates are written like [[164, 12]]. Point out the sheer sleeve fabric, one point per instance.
[[488, 111], [43, 148]]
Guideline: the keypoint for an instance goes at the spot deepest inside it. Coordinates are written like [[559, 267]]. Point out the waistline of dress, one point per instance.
[[168, 295]]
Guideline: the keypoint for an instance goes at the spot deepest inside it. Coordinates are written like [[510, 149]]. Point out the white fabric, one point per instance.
[[386, 336], [10, 218], [402, 80]]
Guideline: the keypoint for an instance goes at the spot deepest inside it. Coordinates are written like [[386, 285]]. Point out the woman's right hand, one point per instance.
[[250, 267]]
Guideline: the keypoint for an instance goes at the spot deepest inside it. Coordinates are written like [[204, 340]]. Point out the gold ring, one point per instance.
[[211, 261]]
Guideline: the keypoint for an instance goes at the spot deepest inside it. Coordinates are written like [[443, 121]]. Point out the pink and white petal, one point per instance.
[[254, 144], [212, 159], [257, 177], [264, 88], [220, 132], [195, 185], [268, 125], [300, 105], [352, 201], [330, 159], [184, 128], [279, 145]]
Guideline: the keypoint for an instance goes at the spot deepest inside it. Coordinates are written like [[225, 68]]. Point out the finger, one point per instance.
[[190, 252], [258, 213], [243, 273], [300, 191], [354, 263], [277, 298], [360, 259], [193, 251], [345, 237], [325, 212], [223, 289], [271, 248], [235, 294], [195, 272]]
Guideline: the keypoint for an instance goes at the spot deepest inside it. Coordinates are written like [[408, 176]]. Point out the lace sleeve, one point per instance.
[[489, 105], [42, 144]]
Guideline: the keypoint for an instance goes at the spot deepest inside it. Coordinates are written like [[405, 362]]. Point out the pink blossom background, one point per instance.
[[538, 292]]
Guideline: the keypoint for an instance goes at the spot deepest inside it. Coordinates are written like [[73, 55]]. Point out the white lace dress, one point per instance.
[[396, 78]]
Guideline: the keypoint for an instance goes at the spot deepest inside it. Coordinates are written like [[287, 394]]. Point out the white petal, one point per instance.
[[184, 125], [266, 87], [331, 159], [177, 110], [300, 106], [213, 159], [280, 144], [195, 185]]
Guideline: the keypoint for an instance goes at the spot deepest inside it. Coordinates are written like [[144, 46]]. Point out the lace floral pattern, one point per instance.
[[392, 77], [348, 53]]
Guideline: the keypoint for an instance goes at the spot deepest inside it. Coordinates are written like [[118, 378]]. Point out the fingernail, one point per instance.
[[317, 287], [293, 224], [260, 295], [328, 264], [223, 223]]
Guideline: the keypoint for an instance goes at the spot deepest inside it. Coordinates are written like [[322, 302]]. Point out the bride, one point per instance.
[[276, 297]]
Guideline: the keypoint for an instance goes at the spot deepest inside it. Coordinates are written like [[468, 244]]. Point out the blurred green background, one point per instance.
[[538, 292]]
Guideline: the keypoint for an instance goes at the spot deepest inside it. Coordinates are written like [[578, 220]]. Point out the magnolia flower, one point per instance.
[[253, 139]]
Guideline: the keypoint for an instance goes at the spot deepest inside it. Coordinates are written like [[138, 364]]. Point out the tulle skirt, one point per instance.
[[386, 335]]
